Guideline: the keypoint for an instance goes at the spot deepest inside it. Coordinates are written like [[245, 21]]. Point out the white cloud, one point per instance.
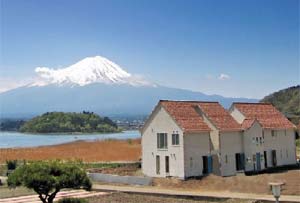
[[224, 76]]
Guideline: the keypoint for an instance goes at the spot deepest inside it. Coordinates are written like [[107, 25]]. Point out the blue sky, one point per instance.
[[186, 44]]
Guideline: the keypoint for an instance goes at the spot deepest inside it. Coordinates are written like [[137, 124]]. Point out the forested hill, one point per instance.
[[60, 122], [287, 101]]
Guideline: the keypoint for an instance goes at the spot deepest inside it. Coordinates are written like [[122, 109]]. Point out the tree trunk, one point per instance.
[[52, 196], [42, 198]]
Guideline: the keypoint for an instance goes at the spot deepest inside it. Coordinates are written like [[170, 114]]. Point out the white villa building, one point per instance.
[[269, 137], [190, 138]]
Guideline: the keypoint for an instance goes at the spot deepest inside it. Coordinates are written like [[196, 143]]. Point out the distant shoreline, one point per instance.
[[64, 133], [9, 139]]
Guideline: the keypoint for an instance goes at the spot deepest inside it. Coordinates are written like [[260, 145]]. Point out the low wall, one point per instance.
[[131, 180]]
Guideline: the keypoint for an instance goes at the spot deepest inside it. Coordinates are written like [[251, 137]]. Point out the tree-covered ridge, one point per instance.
[[10, 124], [60, 122], [287, 101]]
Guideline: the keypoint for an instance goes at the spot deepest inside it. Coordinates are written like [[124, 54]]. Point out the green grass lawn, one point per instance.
[[6, 192]]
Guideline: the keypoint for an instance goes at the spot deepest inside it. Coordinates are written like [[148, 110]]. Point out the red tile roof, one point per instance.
[[219, 116], [267, 115], [247, 123], [186, 116]]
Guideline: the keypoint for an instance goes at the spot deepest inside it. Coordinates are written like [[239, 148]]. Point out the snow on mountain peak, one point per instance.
[[89, 70]]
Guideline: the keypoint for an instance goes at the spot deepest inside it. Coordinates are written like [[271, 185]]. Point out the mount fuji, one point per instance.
[[87, 71], [94, 84]]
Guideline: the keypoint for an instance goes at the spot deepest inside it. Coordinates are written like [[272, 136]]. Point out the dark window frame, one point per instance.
[[175, 139], [162, 141]]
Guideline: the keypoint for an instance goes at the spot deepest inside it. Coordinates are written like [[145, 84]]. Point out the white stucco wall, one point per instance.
[[162, 123], [195, 146], [284, 144], [214, 135], [230, 144], [237, 115], [251, 147]]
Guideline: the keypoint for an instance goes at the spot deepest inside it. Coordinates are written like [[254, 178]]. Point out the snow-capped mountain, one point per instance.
[[89, 70], [93, 84]]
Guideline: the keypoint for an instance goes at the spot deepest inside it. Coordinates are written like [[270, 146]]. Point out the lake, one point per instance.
[[16, 139]]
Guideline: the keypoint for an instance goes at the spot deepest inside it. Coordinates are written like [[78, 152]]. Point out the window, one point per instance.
[[273, 133], [260, 140], [157, 164], [162, 140], [287, 154], [226, 159], [284, 132], [263, 134], [175, 139], [257, 141]]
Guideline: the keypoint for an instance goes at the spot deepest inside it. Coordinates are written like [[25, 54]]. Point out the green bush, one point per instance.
[[129, 141], [72, 200], [47, 178], [11, 164]]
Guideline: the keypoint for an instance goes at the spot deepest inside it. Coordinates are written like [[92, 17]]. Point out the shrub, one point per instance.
[[129, 141], [11, 164], [72, 200], [48, 178]]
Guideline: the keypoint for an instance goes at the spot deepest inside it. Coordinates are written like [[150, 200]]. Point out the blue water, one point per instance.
[[16, 139]]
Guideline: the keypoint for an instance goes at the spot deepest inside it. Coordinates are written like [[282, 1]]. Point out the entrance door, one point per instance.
[[205, 165], [167, 164], [240, 161], [274, 159], [258, 161], [254, 162], [157, 165], [265, 158], [209, 164]]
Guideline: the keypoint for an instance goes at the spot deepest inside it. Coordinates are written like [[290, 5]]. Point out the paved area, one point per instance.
[[160, 191], [60, 195]]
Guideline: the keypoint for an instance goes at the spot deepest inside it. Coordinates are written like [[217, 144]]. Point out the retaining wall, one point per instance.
[[131, 180]]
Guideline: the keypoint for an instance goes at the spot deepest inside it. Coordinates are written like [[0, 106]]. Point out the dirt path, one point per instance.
[[241, 183], [200, 194], [60, 195], [120, 197]]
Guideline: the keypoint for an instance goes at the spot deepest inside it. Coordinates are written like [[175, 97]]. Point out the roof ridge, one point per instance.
[[260, 103], [166, 100]]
